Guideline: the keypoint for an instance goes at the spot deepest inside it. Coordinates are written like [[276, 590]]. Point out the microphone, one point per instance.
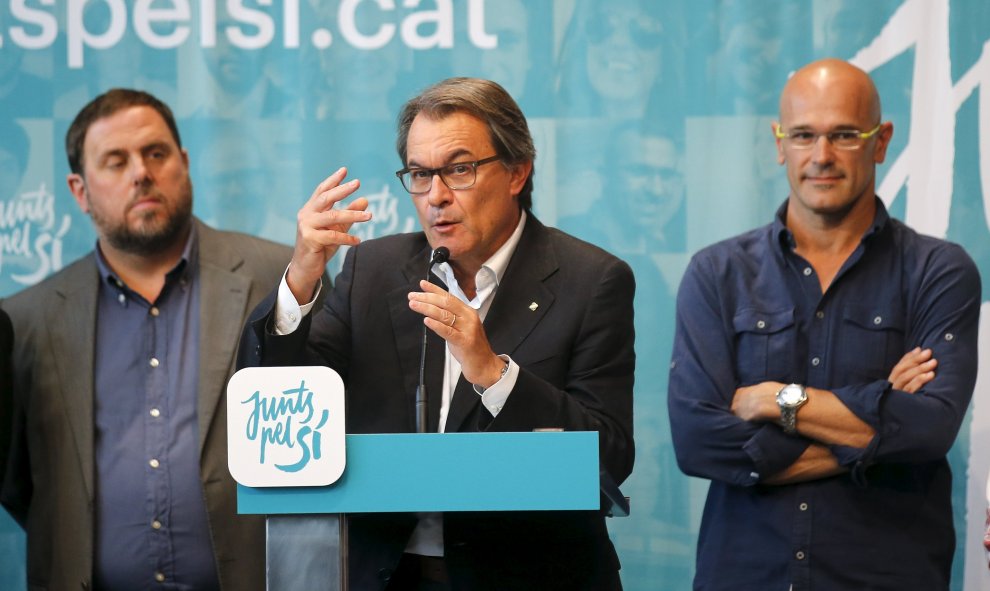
[[440, 255]]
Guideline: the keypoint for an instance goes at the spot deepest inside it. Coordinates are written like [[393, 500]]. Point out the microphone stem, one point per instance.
[[422, 410], [440, 255]]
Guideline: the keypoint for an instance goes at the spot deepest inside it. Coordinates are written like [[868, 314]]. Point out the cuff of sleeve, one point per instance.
[[856, 460], [772, 450], [864, 401], [288, 312], [494, 398]]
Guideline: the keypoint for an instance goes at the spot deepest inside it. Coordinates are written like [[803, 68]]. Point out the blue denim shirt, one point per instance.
[[152, 529], [751, 310]]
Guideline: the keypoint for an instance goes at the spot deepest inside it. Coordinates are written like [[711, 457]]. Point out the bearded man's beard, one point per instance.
[[152, 235]]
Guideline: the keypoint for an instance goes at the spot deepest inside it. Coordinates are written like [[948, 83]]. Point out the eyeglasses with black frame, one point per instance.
[[843, 139], [456, 175]]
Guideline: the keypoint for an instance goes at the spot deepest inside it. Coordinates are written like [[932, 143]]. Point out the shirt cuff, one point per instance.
[[288, 312], [494, 398], [771, 450], [864, 401]]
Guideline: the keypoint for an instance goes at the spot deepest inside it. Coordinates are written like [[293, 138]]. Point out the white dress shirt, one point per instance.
[[427, 539]]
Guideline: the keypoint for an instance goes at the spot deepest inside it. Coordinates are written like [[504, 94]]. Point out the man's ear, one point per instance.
[[780, 148], [77, 186], [883, 141], [520, 172]]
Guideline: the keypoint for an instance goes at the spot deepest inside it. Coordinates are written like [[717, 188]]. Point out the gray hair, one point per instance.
[[487, 101]]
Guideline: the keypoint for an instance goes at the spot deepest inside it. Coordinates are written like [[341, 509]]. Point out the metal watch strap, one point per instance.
[[788, 419], [505, 370]]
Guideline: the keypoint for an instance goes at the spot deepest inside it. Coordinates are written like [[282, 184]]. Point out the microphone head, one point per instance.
[[441, 255]]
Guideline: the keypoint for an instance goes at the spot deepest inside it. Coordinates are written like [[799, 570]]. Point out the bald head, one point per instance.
[[831, 139], [834, 82]]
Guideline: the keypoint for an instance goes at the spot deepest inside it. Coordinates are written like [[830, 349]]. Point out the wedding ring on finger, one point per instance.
[[453, 319]]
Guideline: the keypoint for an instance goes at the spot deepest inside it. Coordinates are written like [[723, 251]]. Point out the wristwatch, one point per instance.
[[790, 398]]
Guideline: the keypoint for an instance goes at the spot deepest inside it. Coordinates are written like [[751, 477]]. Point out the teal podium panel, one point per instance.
[[448, 472]]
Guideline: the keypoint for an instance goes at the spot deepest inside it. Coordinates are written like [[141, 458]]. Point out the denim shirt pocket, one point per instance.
[[766, 343], [871, 342]]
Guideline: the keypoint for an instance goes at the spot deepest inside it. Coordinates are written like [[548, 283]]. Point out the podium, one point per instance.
[[539, 471]]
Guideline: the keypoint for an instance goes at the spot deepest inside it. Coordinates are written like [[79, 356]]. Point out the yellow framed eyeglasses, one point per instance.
[[843, 139]]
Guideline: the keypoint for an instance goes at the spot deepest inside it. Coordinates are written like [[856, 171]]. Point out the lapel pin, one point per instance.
[[533, 306]]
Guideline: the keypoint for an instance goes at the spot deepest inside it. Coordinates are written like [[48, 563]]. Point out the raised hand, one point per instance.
[[321, 229], [459, 325]]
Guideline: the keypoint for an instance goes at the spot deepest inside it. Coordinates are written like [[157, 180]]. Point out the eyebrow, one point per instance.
[[839, 127], [452, 158], [155, 145]]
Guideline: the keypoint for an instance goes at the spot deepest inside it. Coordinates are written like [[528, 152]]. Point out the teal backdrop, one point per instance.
[[652, 124]]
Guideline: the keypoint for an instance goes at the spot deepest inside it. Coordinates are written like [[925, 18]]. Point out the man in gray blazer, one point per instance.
[[118, 461], [536, 331]]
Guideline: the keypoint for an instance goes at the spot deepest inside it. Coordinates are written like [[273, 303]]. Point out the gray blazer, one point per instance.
[[48, 476]]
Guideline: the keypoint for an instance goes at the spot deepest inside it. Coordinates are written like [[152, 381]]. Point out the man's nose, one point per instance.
[[439, 193], [141, 172], [658, 184], [822, 150]]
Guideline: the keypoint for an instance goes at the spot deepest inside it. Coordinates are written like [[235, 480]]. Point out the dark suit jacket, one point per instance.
[[575, 351], [6, 384], [48, 480]]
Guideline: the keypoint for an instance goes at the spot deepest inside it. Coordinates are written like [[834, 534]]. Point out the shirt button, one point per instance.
[[819, 314], [154, 362], [154, 463], [803, 506], [816, 361], [292, 317], [949, 336], [154, 311], [808, 271], [799, 555], [156, 524], [160, 577], [877, 320], [155, 412], [761, 324], [121, 298]]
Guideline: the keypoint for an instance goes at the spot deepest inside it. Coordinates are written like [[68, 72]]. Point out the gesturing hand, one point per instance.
[[459, 325], [321, 230]]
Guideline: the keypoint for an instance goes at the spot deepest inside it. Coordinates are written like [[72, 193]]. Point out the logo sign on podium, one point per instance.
[[285, 426]]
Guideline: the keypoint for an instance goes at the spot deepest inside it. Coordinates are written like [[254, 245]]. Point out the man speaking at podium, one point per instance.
[[534, 330]]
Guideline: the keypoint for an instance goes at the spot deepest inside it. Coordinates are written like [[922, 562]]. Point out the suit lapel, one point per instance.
[[521, 302], [223, 300], [72, 336]]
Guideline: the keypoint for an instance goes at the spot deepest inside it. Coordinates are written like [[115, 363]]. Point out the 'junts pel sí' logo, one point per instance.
[[270, 423], [285, 426]]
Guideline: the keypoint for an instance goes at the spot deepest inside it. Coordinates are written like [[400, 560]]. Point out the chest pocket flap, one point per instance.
[[871, 341], [765, 344]]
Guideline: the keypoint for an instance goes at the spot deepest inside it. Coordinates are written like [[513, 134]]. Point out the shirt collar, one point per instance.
[[183, 268], [786, 238], [491, 272]]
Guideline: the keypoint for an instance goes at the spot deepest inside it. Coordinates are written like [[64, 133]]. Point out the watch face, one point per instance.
[[791, 395]]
